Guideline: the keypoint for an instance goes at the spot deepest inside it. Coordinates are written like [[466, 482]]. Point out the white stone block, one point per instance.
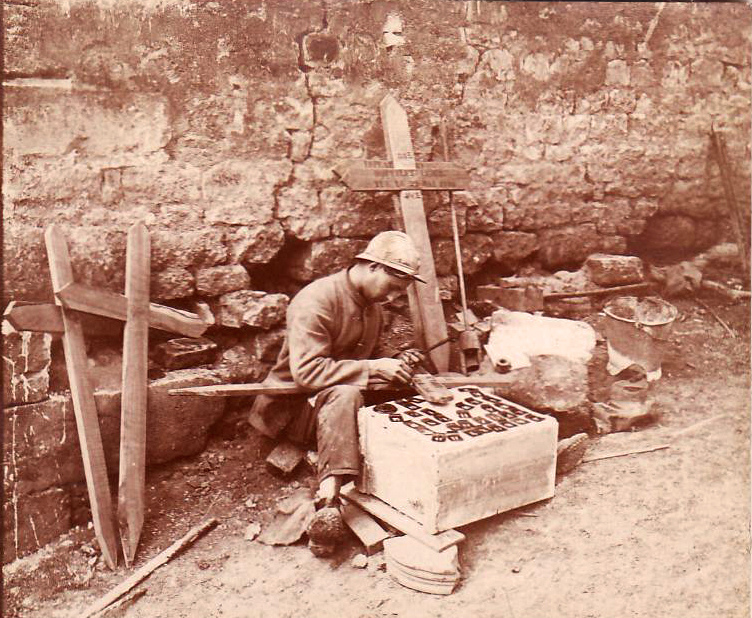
[[452, 464]]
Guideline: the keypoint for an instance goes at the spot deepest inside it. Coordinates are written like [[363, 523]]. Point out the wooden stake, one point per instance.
[[84, 406], [649, 449], [425, 305], [151, 566], [135, 387]]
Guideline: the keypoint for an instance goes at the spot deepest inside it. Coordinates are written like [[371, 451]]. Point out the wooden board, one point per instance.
[[401, 521], [449, 465], [84, 406], [369, 175], [425, 305], [449, 380], [370, 533], [48, 318], [135, 385], [113, 305]]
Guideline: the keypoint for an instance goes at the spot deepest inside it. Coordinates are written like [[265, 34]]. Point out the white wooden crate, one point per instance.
[[452, 464]]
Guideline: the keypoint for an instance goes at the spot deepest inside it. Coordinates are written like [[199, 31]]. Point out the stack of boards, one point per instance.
[[421, 568]]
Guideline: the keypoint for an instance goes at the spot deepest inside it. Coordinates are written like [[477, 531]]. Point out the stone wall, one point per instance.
[[585, 128]]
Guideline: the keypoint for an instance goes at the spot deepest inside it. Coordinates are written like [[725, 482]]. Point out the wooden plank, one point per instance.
[[403, 523], [47, 318], [151, 566], [450, 380], [84, 406], [425, 306], [135, 385], [370, 533], [113, 305]]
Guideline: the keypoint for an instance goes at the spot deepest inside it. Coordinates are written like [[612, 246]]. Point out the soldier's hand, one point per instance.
[[390, 369], [412, 357]]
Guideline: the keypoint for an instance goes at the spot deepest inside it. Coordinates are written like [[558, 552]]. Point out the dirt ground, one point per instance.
[[660, 535]]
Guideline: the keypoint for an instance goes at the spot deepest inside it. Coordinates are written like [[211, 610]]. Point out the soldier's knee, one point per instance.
[[346, 393]]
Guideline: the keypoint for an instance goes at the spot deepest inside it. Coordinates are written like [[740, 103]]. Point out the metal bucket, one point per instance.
[[636, 333]]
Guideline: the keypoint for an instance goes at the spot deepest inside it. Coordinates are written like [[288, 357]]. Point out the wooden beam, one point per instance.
[[151, 566], [84, 406], [425, 304], [290, 388], [738, 222], [47, 318], [620, 289], [113, 305], [370, 533], [135, 387], [403, 523]]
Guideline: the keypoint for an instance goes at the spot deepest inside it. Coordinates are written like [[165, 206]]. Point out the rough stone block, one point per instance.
[[568, 245], [242, 192], [179, 426], [26, 362], [24, 387], [31, 521], [251, 308], [55, 121], [257, 244], [237, 364], [301, 213], [266, 345], [40, 445], [190, 248], [617, 73], [476, 250], [511, 247], [615, 269], [323, 257], [285, 457], [185, 352], [175, 282], [220, 280], [357, 214]]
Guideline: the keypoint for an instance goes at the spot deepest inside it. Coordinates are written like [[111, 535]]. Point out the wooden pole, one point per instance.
[[737, 220], [84, 406], [425, 304], [135, 387], [151, 566]]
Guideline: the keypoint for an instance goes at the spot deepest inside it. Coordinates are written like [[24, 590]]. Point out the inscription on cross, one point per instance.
[[402, 173]]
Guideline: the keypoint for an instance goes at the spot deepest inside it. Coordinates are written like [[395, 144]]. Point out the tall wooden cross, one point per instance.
[[68, 316], [402, 173]]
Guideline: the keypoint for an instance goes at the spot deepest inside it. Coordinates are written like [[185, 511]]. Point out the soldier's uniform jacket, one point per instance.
[[331, 332]]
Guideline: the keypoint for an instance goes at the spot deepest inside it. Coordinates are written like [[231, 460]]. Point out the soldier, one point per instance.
[[330, 349]]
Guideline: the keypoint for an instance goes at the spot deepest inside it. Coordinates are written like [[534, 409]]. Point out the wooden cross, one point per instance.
[[402, 173], [73, 302]]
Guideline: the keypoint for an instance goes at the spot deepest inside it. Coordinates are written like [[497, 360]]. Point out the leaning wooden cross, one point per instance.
[[73, 301], [402, 173]]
